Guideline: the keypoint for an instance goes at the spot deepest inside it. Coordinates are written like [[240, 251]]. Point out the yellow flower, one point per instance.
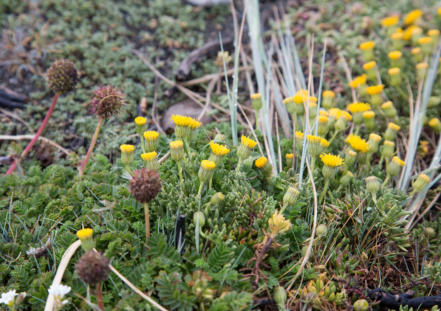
[[439, 11], [313, 139], [433, 33], [289, 156], [387, 105], [393, 126], [357, 143], [127, 148], [149, 156], [398, 161], [368, 45], [298, 99], [278, 224], [390, 21], [323, 113], [139, 121], [185, 121], [415, 51], [84, 234], [425, 40], [395, 55], [260, 162], [368, 114], [331, 160], [394, 71], [358, 81], [328, 93], [434, 122], [412, 16], [299, 135], [151, 135], [397, 36], [369, 65], [248, 142], [255, 96], [338, 113], [324, 143], [176, 144], [358, 107], [208, 165], [389, 143], [375, 137], [218, 150], [322, 119], [194, 124], [375, 90]]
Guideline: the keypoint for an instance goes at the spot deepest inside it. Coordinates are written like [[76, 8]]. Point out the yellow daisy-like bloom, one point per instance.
[[149, 156], [328, 93], [208, 165], [395, 55], [412, 16], [248, 142], [278, 224], [357, 143], [84, 234], [299, 135], [434, 122], [390, 21], [389, 143], [313, 139], [194, 124], [289, 156], [368, 114], [393, 126], [368, 45], [331, 160], [322, 119], [422, 65], [425, 40], [375, 90], [433, 33], [375, 137], [127, 148], [323, 113], [369, 65], [358, 81], [411, 31], [185, 121], [303, 93], [177, 144], [338, 113], [424, 176], [287, 100], [387, 105], [298, 99], [358, 107], [218, 149], [415, 51], [260, 162], [151, 135], [324, 143], [394, 71], [397, 36], [139, 121], [255, 96], [398, 161], [312, 100]]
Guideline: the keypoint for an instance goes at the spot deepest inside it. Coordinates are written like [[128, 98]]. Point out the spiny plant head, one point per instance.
[[62, 76], [92, 267], [107, 101], [145, 185]]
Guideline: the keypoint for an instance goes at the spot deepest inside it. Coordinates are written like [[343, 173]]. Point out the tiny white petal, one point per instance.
[[59, 290], [8, 297]]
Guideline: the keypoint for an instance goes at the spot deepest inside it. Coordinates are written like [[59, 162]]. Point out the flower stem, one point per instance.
[[92, 145], [34, 140], [200, 190], [325, 189], [147, 221], [181, 177], [294, 119], [99, 296]]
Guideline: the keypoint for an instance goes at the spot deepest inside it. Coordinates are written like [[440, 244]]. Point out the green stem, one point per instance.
[[325, 189], [181, 177], [385, 181], [333, 137], [200, 190], [312, 163], [239, 164]]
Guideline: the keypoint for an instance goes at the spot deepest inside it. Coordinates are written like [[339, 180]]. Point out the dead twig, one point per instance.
[[29, 137]]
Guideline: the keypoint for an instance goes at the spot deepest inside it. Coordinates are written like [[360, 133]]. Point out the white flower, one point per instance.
[[58, 291], [8, 298]]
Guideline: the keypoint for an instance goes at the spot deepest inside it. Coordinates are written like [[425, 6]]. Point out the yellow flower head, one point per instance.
[[393, 126], [312, 105], [313, 139], [424, 177], [397, 36], [412, 16], [434, 122], [398, 161], [389, 143], [288, 100], [260, 162], [208, 165], [289, 155], [368, 45], [411, 31], [368, 114], [255, 96], [415, 51], [218, 150], [323, 113], [151, 135], [194, 124], [324, 143], [248, 142], [374, 137], [375, 90], [331, 160], [369, 65], [422, 65], [390, 21], [328, 93], [433, 33], [322, 119], [387, 105], [395, 55], [127, 148], [184, 121], [338, 113], [358, 107], [439, 11], [149, 156], [298, 99], [425, 40], [357, 143], [84, 234], [394, 71], [299, 135], [312, 100], [278, 224], [176, 144], [358, 81], [139, 121]]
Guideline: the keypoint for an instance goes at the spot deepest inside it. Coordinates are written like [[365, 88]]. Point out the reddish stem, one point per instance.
[[92, 145], [34, 140], [99, 296]]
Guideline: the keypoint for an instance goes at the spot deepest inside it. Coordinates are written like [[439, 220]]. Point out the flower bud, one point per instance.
[[391, 131], [256, 101], [394, 167], [369, 119], [388, 149], [290, 196], [289, 157], [150, 160], [430, 232], [280, 297], [151, 140], [417, 54], [394, 76], [206, 170], [199, 217], [372, 184], [264, 166], [127, 154], [321, 230], [370, 69], [350, 157], [421, 70], [367, 49], [435, 124], [323, 125], [217, 199], [328, 99], [420, 182], [361, 305], [389, 110], [87, 241], [140, 123], [346, 178], [177, 150]]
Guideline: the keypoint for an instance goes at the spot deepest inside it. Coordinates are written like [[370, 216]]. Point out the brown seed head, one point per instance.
[[145, 185], [62, 76], [93, 267], [107, 101]]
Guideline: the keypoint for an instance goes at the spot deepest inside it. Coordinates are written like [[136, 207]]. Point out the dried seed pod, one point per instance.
[[93, 267], [145, 185], [62, 76], [107, 101]]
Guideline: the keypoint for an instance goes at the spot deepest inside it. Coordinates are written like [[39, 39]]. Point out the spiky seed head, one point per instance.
[[93, 267], [145, 185], [62, 76], [107, 101]]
